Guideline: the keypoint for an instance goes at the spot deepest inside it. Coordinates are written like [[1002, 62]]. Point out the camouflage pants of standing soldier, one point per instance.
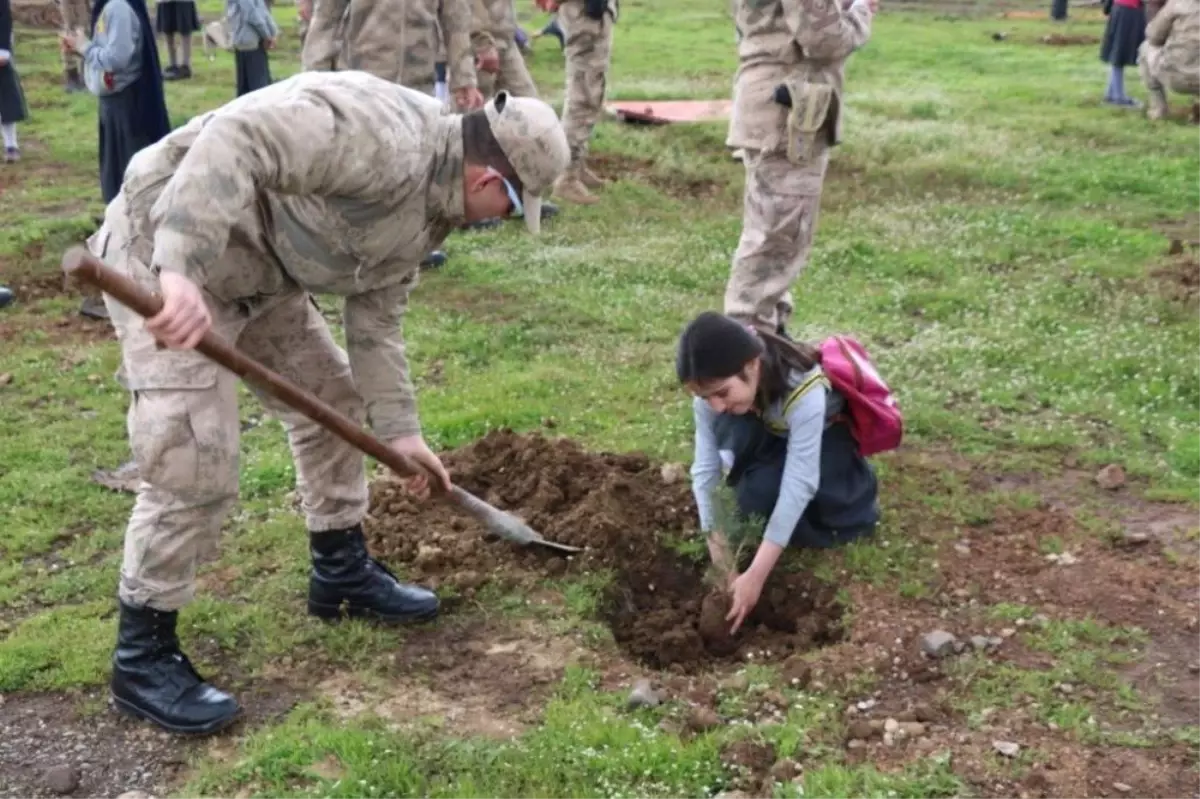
[[779, 217], [183, 422], [76, 15], [513, 76], [588, 50]]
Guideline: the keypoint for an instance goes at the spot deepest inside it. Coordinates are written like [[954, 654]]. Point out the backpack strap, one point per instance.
[[799, 391]]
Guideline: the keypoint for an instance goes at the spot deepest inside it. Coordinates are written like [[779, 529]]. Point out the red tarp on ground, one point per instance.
[[660, 112]]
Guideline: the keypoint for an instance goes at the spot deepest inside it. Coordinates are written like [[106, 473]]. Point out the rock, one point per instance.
[[889, 739], [1111, 477], [703, 719], [995, 642], [856, 744], [891, 725], [938, 643], [643, 695], [785, 770], [860, 731], [732, 795], [1130, 538], [979, 642], [5, 379], [911, 729], [62, 780], [1008, 632], [673, 473], [135, 795], [1122, 787], [1066, 688], [1067, 559], [962, 549], [1006, 748], [1194, 667], [866, 704]]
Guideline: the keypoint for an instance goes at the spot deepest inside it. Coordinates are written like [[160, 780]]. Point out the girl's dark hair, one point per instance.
[[481, 148], [715, 347]]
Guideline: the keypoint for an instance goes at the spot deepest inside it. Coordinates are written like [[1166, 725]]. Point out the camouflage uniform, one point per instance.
[[76, 15], [588, 53], [323, 47], [396, 40], [1169, 58], [322, 183], [802, 44], [495, 26]]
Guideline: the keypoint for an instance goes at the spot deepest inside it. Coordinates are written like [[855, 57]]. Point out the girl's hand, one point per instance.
[[746, 590]]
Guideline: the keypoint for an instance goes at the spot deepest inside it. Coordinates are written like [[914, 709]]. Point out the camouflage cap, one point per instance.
[[533, 140]]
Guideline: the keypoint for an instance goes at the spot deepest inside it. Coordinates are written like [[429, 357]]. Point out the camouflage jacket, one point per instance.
[[804, 43], [1176, 29], [338, 182], [397, 40]]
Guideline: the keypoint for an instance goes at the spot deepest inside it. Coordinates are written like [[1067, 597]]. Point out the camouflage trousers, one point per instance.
[[76, 15], [513, 76], [588, 51], [183, 422], [779, 216]]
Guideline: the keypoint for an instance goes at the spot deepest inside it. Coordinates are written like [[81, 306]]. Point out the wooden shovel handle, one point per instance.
[[79, 264]]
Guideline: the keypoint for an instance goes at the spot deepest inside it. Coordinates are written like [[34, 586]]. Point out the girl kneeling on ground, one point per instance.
[[763, 408]]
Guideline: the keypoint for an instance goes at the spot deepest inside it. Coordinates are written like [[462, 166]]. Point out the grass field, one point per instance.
[[1000, 240]]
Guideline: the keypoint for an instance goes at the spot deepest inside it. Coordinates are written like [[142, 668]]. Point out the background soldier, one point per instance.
[[799, 48], [1170, 57], [588, 28]]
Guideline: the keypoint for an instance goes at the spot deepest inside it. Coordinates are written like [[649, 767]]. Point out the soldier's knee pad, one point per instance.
[[185, 442]]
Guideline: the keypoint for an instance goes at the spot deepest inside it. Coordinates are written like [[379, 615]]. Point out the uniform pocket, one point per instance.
[[811, 117], [183, 444]]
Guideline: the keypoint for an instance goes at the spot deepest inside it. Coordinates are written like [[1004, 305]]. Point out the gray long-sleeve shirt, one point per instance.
[[250, 22], [111, 61], [805, 425]]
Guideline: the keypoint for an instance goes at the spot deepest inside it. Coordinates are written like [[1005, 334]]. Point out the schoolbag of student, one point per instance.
[[874, 416]]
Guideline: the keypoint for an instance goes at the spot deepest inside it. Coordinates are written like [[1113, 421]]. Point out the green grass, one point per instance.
[[987, 229]]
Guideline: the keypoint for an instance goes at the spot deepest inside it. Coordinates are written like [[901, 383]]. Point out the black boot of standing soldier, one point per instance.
[[346, 578], [154, 680]]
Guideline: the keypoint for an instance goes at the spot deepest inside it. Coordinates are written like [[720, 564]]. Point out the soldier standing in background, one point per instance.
[[397, 40], [498, 60], [794, 50], [76, 16], [588, 28]]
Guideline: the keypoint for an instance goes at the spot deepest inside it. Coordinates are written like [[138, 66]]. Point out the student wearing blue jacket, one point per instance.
[[120, 67], [253, 31]]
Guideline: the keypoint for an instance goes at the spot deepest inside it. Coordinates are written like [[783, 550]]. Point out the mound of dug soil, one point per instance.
[[616, 506], [620, 508], [661, 614]]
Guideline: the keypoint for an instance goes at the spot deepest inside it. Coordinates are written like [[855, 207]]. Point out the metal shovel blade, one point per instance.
[[505, 525]]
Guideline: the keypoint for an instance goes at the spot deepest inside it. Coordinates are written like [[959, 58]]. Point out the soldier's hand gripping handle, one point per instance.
[[81, 265]]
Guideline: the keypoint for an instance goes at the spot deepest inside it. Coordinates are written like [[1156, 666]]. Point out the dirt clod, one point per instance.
[[1111, 477], [62, 780], [643, 695], [785, 770], [703, 719], [1006, 748], [938, 643], [862, 731]]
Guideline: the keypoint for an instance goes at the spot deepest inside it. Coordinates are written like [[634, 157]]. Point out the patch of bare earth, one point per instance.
[[51, 746], [472, 677]]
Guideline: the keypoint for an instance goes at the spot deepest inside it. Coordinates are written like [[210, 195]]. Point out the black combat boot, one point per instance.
[[345, 576], [434, 260], [153, 680]]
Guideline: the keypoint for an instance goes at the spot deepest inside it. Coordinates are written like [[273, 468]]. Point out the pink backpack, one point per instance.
[[874, 416]]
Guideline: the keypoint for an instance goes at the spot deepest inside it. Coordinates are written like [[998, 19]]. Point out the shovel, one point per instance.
[[81, 265]]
